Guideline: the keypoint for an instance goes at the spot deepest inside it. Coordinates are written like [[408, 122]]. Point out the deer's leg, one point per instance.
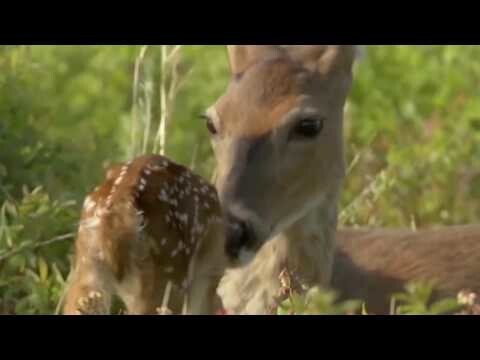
[[205, 272], [141, 290], [89, 291], [202, 295]]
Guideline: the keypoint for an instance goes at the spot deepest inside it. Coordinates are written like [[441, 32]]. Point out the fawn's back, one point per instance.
[[149, 223]]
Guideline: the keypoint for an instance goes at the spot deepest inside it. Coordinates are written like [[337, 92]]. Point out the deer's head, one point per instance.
[[277, 137]]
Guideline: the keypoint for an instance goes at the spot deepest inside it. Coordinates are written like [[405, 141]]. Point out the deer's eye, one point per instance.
[[209, 123], [308, 128]]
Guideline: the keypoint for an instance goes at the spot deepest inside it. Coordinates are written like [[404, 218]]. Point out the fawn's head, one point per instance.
[[277, 137]]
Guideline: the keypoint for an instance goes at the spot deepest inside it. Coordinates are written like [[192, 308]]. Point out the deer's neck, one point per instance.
[[307, 247], [311, 245]]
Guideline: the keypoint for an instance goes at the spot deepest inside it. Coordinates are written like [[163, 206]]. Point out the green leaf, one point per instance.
[[42, 269]]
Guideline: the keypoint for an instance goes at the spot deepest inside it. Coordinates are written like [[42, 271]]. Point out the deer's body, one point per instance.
[[373, 264], [151, 222]]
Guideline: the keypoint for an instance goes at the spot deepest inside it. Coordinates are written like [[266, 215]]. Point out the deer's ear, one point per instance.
[[241, 57], [323, 58]]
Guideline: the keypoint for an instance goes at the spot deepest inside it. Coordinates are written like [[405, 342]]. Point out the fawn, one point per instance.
[[149, 223]]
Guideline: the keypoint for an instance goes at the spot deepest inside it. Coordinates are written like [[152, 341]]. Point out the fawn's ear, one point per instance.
[[241, 57], [324, 59]]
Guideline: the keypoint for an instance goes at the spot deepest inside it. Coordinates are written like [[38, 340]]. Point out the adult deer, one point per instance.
[[277, 138], [150, 223]]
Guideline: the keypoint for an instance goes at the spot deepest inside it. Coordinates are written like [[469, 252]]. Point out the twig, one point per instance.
[[193, 162], [163, 100], [4, 256], [148, 115], [168, 64], [136, 76]]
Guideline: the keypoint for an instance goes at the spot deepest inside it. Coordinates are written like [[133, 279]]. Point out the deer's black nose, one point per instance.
[[239, 237]]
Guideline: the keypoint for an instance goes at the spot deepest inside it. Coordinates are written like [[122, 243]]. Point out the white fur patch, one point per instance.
[[89, 204], [155, 167], [183, 218], [163, 196], [90, 223], [118, 181]]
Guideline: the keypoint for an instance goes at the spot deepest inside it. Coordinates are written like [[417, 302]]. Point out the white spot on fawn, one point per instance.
[[199, 228], [183, 218], [163, 242], [147, 171], [88, 204], [163, 196], [99, 212], [118, 181], [90, 222]]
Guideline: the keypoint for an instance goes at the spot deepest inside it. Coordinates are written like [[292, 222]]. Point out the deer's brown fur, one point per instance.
[[373, 264], [150, 222]]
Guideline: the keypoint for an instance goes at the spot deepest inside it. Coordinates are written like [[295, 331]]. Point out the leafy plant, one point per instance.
[[317, 301], [416, 300], [33, 264]]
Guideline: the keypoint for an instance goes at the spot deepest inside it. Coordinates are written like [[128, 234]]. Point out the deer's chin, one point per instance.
[[245, 257]]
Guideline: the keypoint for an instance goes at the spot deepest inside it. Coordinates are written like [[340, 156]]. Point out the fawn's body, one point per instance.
[[150, 222]]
